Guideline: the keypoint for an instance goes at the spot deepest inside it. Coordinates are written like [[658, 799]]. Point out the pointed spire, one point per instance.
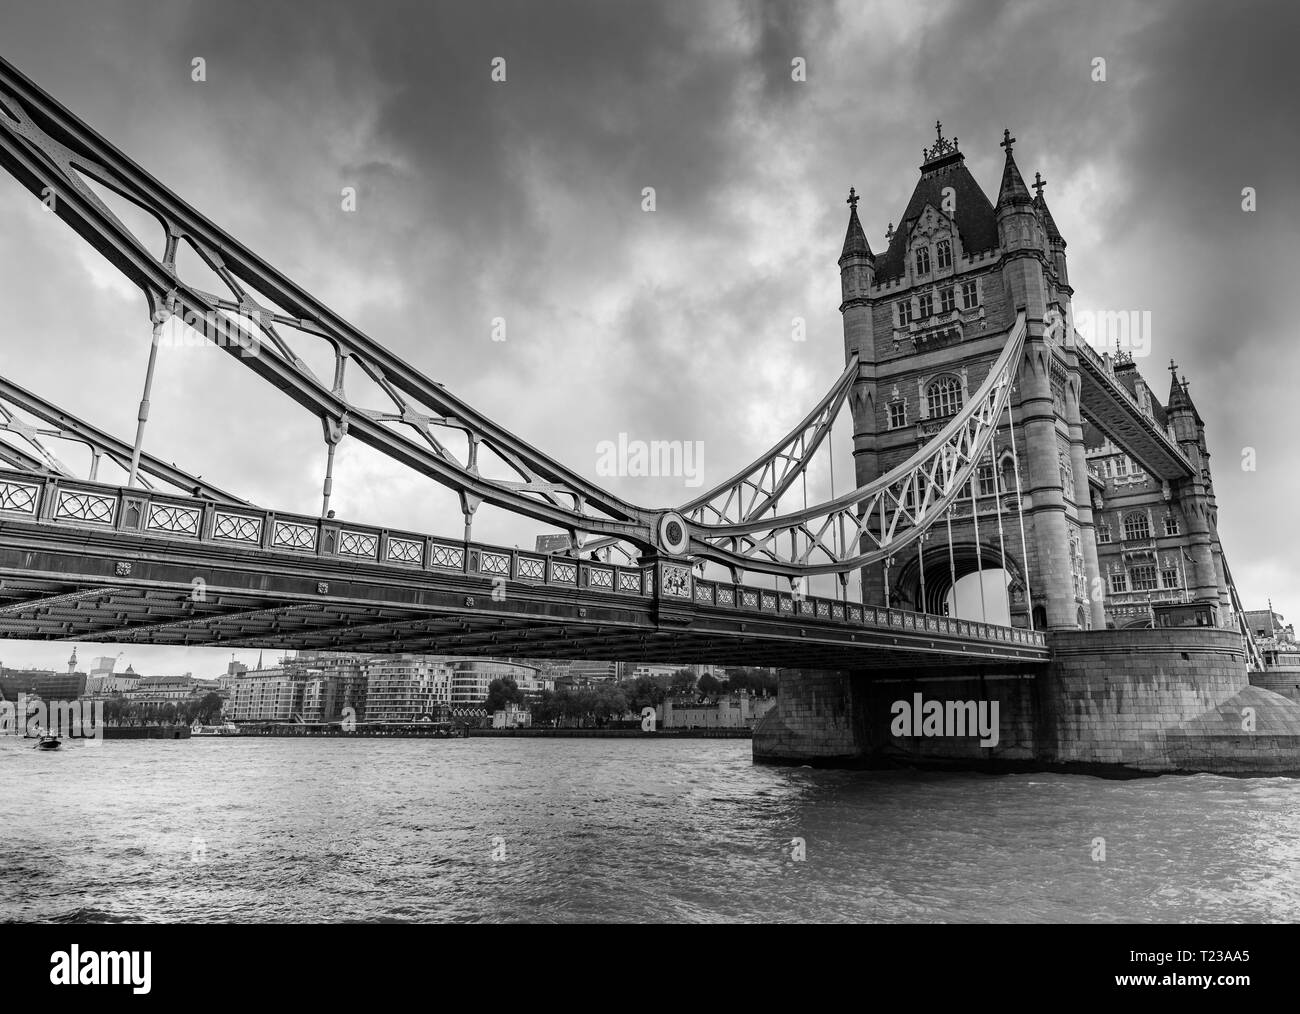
[[1053, 233], [1191, 404], [855, 240], [1178, 400], [1013, 189]]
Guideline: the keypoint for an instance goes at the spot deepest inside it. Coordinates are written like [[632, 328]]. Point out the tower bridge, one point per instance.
[[983, 431]]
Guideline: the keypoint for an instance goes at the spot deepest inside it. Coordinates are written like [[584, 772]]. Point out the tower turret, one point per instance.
[[1197, 497], [1055, 241], [1019, 227], [857, 274]]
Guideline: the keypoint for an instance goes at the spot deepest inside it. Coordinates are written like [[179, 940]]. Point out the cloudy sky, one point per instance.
[[522, 199]]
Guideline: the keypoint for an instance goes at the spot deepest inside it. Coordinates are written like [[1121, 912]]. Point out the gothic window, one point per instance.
[[944, 396], [1009, 473], [905, 313], [987, 476], [1076, 567], [926, 302], [969, 295], [923, 261], [947, 300], [944, 252], [1103, 532], [1169, 576], [1171, 525], [897, 415], [1136, 528], [1119, 582], [1144, 578]]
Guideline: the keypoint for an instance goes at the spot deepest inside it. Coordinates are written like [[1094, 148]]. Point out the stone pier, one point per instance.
[[1111, 702]]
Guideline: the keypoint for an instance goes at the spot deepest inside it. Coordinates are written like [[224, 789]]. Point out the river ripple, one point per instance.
[[299, 830]]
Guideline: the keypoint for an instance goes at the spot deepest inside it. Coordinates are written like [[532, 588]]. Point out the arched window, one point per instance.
[[944, 253], [944, 396], [923, 261], [1136, 527]]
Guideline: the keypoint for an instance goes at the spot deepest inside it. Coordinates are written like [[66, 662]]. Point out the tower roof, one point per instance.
[[1192, 405], [1178, 397], [855, 240], [943, 166], [1053, 233], [1013, 190]]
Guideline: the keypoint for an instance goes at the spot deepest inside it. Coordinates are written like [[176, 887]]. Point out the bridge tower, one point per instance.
[[1209, 583], [927, 318]]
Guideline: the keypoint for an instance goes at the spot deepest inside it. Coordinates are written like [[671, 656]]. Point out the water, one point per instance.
[[255, 830]]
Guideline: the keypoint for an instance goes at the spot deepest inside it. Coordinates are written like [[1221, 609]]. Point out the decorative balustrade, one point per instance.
[[67, 502]]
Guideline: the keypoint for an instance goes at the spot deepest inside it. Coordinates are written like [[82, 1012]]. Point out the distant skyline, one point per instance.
[[32, 657], [522, 200]]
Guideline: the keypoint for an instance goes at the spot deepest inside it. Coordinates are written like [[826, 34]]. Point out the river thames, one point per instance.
[[562, 830]]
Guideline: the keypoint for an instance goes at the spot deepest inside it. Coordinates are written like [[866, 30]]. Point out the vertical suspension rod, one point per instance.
[[160, 318]]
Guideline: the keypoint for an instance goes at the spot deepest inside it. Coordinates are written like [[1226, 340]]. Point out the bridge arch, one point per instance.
[[944, 571]]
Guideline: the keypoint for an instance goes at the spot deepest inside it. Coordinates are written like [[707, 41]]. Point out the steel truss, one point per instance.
[[875, 521], [66, 426], [53, 154]]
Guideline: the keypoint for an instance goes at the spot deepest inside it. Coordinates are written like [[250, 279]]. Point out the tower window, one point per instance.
[[905, 313], [988, 479], [1144, 578], [947, 300], [944, 396], [1136, 528], [1170, 577], [1103, 532], [1119, 582], [944, 253], [1171, 525], [926, 302], [897, 415], [915, 493], [923, 261], [969, 295]]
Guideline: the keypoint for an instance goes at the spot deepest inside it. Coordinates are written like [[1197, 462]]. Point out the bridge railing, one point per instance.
[[61, 501], [720, 594]]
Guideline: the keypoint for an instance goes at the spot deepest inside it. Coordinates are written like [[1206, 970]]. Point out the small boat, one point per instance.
[[48, 742], [225, 729]]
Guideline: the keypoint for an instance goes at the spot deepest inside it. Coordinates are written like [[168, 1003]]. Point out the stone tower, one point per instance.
[[927, 319]]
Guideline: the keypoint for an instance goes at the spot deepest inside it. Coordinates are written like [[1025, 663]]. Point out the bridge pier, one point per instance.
[[1111, 702]]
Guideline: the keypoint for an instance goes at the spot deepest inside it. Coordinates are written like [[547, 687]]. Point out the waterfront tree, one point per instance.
[[683, 682], [502, 692]]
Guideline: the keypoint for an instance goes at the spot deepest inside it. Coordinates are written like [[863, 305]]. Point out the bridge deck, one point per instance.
[[1109, 406], [92, 562]]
